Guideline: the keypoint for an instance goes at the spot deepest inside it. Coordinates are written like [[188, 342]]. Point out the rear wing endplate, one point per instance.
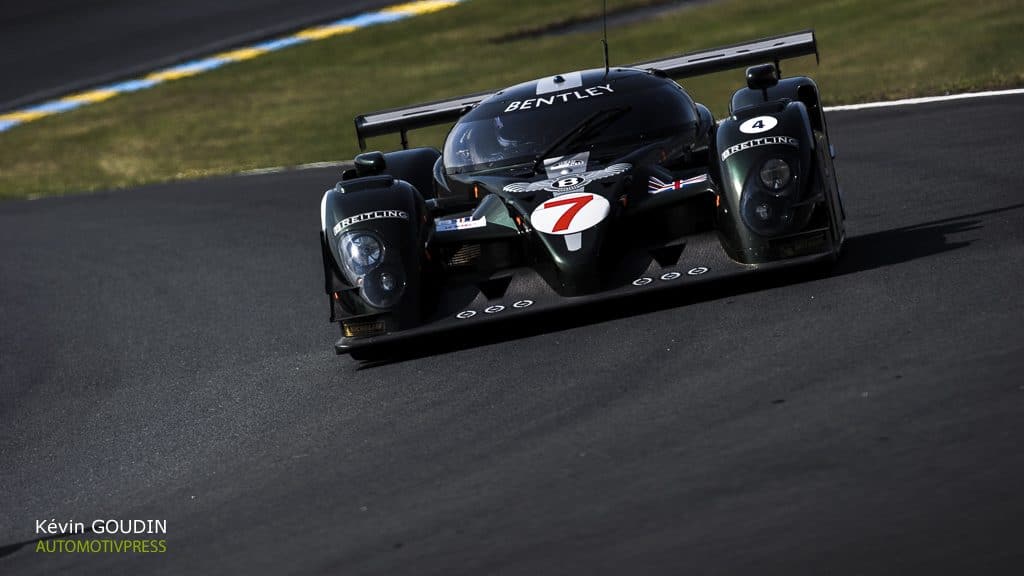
[[773, 49]]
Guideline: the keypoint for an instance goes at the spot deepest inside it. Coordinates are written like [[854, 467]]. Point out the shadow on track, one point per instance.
[[899, 245], [860, 254]]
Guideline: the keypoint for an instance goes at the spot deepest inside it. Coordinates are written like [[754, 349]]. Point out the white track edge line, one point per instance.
[[276, 169], [924, 100]]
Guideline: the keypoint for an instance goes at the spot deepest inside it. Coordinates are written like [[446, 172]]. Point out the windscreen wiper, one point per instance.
[[586, 127]]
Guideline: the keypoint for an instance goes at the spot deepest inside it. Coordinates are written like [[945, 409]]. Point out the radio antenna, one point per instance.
[[604, 39]]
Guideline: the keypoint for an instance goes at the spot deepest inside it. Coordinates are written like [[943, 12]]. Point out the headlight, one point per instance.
[[776, 174], [383, 288], [360, 252], [766, 214]]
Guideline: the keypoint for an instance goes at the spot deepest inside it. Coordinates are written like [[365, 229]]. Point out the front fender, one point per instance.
[[392, 211], [749, 213]]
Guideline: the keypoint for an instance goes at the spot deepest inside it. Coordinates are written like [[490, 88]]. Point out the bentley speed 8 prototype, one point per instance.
[[579, 186]]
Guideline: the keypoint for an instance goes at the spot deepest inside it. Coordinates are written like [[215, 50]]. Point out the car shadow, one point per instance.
[[861, 253], [899, 245]]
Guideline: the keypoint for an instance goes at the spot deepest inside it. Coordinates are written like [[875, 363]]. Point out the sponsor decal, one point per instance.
[[563, 165], [765, 141], [465, 223], [569, 165], [642, 281], [494, 309], [570, 214], [375, 215], [669, 276], [758, 125], [656, 186], [566, 184], [563, 98]]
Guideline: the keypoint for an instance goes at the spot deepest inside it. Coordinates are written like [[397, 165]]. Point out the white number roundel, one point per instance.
[[758, 125], [570, 213]]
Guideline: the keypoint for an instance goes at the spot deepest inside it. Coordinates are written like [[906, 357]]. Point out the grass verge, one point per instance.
[[296, 105]]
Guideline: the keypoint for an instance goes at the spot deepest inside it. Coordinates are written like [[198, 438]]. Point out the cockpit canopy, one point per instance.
[[516, 125]]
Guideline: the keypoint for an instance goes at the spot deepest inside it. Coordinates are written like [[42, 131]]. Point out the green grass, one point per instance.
[[296, 105]]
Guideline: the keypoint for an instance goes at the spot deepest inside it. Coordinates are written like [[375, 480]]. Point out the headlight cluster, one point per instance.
[[767, 205], [775, 174], [360, 252], [362, 255]]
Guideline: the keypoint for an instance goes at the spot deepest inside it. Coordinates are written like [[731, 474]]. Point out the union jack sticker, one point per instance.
[[656, 186]]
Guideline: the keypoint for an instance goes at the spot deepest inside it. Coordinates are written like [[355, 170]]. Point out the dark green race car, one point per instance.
[[579, 186]]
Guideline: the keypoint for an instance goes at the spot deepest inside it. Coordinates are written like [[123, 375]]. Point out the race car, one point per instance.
[[579, 186]]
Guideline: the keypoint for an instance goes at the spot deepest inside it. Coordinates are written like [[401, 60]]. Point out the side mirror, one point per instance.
[[762, 77], [370, 164]]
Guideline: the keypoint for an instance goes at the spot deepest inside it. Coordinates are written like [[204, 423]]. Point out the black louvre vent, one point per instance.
[[465, 255]]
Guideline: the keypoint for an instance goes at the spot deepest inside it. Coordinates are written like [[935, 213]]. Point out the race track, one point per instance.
[[165, 353], [49, 48]]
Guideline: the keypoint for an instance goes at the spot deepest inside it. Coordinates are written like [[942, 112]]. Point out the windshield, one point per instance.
[[496, 137]]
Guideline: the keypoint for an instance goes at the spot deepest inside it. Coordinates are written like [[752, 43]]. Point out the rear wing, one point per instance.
[[411, 117], [773, 49]]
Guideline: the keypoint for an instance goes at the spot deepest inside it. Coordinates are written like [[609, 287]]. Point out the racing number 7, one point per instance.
[[575, 205]]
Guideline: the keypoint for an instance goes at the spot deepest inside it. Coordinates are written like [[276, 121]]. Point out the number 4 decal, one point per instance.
[[758, 125], [570, 213]]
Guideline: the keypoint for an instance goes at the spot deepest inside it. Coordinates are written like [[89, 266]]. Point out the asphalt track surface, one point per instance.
[[49, 48], [165, 354]]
